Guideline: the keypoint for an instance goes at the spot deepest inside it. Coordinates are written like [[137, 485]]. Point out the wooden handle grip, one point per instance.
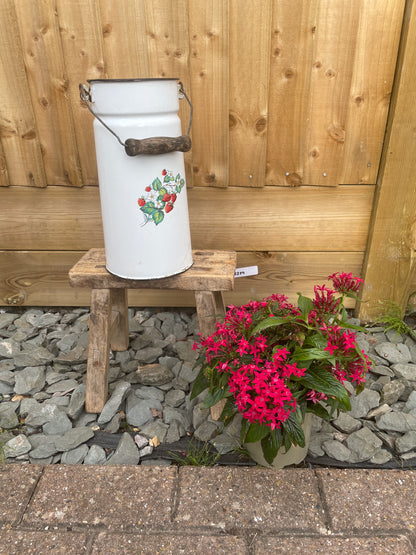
[[157, 145]]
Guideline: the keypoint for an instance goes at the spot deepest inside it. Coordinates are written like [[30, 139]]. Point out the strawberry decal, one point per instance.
[[160, 197]]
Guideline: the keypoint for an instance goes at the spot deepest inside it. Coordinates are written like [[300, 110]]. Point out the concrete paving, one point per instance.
[[162, 509]]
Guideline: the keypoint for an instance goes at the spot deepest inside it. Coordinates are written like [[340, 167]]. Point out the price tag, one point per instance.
[[248, 271]]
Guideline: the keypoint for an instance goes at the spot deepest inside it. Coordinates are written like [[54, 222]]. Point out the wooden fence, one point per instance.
[[291, 165]]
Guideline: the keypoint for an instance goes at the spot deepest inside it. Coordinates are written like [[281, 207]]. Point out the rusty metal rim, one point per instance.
[[132, 80]]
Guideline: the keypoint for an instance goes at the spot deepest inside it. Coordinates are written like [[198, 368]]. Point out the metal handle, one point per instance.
[[153, 145]]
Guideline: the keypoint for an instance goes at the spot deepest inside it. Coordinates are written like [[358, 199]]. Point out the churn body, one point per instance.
[[143, 198]]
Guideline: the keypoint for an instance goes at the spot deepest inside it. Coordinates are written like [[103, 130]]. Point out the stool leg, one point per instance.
[[98, 350], [219, 304], [210, 307], [120, 332], [206, 311]]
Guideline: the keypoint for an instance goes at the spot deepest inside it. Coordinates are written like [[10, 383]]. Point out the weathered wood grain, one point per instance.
[[371, 84], [291, 59], [98, 351], [238, 218], [390, 265], [123, 25], [167, 35], [4, 176], [119, 337], [48, 84], [40, 278], [250, 31], [308, 81], [209, 69], [211, 271], [20, 138], [331, 72], [82, 43]]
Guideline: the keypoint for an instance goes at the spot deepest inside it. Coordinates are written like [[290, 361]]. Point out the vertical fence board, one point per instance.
[[334, 33], [390, 263], [250, 30], [4, 176], [291, 56], [168, 52], [209, 45], [124, 45], [48, 84], [373, 71], [19, 134], [81, 36]]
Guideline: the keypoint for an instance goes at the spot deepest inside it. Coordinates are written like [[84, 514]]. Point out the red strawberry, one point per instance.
[[164, 172], [168, 207], [141, 202], [166, 197], [148, 189], [173, 197]]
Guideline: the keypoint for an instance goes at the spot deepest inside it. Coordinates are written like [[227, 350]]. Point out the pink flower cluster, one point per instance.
[[260, 368], [346, 283]]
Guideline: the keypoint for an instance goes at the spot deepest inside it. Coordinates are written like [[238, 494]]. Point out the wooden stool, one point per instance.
[[211, 273]]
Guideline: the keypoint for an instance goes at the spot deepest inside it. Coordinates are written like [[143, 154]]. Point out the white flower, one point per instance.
[[152, 196]]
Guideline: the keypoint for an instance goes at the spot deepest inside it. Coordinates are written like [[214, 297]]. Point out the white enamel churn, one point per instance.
[[141, 175]]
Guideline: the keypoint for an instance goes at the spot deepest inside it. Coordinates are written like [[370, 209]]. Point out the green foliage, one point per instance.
[[392, 319], [198, 454], [309, 348]]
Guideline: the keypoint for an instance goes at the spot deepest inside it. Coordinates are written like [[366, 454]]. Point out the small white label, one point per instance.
[[248, 271]]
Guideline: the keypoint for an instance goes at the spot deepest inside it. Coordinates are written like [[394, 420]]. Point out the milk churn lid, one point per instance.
[[132, 80]]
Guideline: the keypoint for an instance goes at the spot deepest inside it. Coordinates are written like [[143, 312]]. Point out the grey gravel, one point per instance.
[[96, 455], [58, 425], [113, 404], [29, 380], [126, 452], [43, 357]]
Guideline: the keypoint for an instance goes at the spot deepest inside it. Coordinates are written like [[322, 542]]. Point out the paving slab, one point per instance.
[[119, 497], [370, 500], [17, 483], [396, 545], [17, 542], [129, 544], [228, 497]]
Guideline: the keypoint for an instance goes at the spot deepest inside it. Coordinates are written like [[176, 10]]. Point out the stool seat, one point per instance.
[[211, 273]]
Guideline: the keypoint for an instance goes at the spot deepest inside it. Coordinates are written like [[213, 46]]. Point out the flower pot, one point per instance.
[[295, 455]]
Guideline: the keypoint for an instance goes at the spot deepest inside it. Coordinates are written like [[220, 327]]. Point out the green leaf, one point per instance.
[[244, 427], [148, 208], [323, 381], [271, 444], [162, 192], [269, 323], [156, 184], [213, 397], [158, 217], [178, 177], [182, 182], [345, 324], [229, 409], [319, 411], [201, 383], [256, 432], [294, 430], [286, 441], [310, 354], [305, 304]]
